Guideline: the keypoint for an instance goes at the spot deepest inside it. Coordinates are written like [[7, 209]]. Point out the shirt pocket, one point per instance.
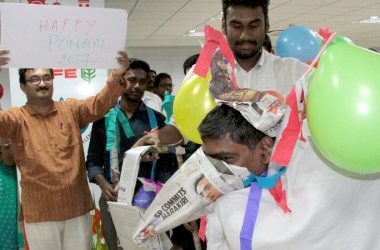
[[68, 135]]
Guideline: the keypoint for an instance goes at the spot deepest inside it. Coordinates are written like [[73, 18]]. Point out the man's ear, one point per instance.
[[224, 26], [266, 146], [267, 25], [23, 87]]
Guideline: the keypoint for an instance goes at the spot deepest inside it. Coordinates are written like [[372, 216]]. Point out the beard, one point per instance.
[[133, 96], [246, 54]]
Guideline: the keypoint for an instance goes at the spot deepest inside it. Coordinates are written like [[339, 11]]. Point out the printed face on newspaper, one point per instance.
[[188, 193]]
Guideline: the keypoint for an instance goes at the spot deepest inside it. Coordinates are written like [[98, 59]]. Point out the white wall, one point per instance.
[[165, 59]]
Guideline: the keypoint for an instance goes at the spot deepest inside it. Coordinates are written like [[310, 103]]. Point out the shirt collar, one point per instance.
[[146, 96], [259, 64], [261, 61], [142, 107], [32, 111]]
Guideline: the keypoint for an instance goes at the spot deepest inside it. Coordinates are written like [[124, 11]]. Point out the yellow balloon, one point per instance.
[[192, 103]]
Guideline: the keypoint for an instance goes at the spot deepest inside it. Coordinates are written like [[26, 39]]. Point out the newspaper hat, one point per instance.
[[262, 109]]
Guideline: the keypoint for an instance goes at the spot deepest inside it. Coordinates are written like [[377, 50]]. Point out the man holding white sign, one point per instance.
[[56, 199], [62, 37]]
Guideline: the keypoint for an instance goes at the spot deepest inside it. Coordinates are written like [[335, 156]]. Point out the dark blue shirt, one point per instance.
[[98, 159]]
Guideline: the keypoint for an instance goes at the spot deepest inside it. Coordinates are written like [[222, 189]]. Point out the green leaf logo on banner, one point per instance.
[[87, 74]]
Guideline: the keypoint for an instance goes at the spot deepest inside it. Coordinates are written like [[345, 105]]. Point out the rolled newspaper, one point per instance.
[[187, 194]]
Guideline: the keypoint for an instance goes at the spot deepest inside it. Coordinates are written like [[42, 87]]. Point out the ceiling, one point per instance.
[[168, 22]]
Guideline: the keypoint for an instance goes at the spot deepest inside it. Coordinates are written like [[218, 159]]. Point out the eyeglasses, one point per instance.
[[37, 80]]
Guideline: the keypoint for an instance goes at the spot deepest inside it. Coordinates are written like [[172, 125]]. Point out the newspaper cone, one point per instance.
[[186, 195]]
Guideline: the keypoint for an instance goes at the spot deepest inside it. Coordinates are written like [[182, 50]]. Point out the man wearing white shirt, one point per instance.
[[245, 23], [271, 73], [330, 208], [150, 80], [150, 98]]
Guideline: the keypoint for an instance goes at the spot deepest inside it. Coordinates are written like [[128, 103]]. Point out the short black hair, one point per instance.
[[247, 3], [159, 77], [189, 62], [135, 63], [22, 72], [224, 120], [267, 43], [152, 70]]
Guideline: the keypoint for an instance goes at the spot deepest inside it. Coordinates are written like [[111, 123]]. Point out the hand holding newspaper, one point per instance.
[[124, 214], [187, 194]]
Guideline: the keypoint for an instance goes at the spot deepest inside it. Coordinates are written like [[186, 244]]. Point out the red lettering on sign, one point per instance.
[[70, 73], [57, 72], [67, 73], [84, 3], [36, 1]]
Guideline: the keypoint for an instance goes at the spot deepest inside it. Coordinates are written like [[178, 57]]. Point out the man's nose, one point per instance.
[[42, 83], [246, 34], [137, 85]]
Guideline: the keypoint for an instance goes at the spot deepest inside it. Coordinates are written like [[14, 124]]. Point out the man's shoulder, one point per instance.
[[150, 95], [144, 108], [67, 103], [152, 100], [18, 112], [288, 63], [159, 115], [232, 200], [16, 109]]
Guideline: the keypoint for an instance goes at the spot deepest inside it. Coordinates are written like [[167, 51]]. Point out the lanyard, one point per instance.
[[153, 125], [127, 127], [123, 119], [250, 216], [117, 114], [253, 204]]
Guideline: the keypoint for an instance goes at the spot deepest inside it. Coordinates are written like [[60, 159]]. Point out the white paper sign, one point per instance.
[[62, 36]]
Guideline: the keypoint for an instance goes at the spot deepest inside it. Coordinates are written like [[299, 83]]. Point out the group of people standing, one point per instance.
[[56, 199]]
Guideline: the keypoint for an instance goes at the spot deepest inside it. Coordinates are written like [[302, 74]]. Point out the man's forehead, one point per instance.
[[221, 146], [246, 12], [165, 80], [136, 72], [37, 71]]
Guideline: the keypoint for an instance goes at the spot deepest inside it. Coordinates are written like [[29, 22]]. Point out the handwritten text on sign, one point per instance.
[[62, 36]]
